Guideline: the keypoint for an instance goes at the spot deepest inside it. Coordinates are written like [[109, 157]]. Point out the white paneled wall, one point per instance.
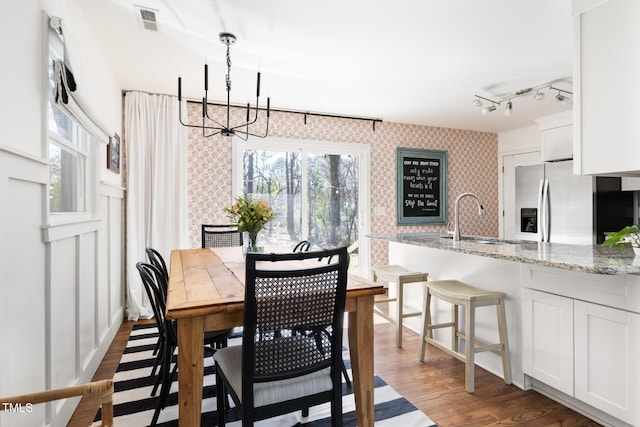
[[61, 289], [22, 279], [110, 289]]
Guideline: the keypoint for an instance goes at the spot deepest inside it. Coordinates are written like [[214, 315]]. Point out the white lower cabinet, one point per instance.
[[548, 339], [586, 350], [607, 360]]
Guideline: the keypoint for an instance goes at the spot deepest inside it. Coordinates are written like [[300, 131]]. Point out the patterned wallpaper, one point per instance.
[[472, 165]]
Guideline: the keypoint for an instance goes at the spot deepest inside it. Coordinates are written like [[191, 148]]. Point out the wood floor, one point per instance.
[[436, 387]]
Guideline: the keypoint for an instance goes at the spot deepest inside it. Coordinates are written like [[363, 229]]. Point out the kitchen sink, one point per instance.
[[487, 241], [483, 240]]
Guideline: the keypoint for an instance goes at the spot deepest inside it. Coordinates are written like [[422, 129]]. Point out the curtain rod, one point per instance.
[[373, 120]]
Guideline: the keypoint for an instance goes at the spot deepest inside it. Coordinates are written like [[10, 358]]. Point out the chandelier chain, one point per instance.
[[228, 79]]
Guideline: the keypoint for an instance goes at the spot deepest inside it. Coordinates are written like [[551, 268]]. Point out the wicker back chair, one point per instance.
[[218, 236], [293, 319], [304, 246]]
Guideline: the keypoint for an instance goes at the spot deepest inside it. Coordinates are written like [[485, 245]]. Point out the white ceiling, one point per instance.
[[407, 61]]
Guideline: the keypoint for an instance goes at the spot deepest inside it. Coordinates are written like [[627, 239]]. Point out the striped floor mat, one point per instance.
[[133, 405]]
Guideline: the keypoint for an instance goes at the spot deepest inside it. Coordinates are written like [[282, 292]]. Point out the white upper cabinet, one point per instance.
[[556, 141], [607, 87]]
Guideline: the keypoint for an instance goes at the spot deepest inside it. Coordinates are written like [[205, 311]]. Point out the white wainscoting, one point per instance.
[[61, 289]]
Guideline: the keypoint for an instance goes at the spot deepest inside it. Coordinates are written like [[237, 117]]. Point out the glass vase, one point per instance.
[[252, 244]]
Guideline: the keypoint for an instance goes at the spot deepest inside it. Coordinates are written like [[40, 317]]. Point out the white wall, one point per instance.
[[61, 287], [518, 140]]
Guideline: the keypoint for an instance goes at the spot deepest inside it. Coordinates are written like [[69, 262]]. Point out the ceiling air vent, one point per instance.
[[146, 17]]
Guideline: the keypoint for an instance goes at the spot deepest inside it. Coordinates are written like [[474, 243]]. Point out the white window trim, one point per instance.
[[321, 147], [91, 168], [92, 172]]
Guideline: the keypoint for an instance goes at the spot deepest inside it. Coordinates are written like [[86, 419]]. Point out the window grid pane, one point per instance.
[[331, 195]]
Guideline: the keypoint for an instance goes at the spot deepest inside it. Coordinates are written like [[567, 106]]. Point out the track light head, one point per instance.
[[487, 110], [560, 97], [509, 109], [539, 96], [477, 102]]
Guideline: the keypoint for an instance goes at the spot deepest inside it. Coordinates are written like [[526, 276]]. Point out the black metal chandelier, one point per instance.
[[210, 124]]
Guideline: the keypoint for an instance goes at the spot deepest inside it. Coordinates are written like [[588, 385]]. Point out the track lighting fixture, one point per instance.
[[539, 95]]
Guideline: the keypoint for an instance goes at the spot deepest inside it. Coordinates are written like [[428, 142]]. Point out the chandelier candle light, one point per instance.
[[216, 127]]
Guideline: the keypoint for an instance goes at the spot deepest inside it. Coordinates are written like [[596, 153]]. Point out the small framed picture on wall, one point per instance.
[[113, 154]]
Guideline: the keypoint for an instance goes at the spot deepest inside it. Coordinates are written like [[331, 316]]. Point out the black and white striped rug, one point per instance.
[[134, 405]]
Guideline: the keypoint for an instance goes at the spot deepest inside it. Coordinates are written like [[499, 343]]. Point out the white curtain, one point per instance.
[[156, 187]]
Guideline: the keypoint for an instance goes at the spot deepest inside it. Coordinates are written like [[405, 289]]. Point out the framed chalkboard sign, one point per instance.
[[422, 186]]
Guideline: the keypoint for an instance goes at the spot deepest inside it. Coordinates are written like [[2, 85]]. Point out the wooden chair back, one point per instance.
[[103, 389]]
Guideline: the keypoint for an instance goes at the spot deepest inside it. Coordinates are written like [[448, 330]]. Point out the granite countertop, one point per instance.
[[586, 258]]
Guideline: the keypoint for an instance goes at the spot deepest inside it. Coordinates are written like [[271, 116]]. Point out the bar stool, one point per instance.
[[398, 275], [461, 294]]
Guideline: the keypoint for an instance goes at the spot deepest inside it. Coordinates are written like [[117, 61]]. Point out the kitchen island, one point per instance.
[[573, 314], [586, 258]]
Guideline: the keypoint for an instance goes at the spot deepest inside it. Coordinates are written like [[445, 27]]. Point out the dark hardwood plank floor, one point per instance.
[[436, 387]]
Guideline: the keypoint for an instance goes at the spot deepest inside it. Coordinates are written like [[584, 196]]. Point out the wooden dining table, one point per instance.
[[206, 293]]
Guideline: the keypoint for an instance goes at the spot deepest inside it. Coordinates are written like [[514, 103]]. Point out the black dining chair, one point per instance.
[[218, 236], [151, 279], [276, 373], [304, 246], [157, 261]]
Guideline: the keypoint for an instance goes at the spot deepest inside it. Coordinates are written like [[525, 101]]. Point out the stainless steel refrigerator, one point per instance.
[[554, 205]]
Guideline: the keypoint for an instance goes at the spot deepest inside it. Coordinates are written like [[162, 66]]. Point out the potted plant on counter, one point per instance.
[[629, 234]]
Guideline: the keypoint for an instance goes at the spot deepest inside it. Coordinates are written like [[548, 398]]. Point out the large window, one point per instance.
[[315, 189], [69, 144]]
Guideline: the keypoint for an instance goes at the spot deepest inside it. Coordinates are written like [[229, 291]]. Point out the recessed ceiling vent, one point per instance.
[[146, 18]]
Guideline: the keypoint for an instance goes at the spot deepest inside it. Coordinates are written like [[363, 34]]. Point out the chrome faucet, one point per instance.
[[456, 216]]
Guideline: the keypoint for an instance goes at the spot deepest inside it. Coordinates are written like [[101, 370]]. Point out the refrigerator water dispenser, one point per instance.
[[529, 220]]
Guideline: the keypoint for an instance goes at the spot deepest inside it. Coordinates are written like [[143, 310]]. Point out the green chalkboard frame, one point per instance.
[[441, 217]]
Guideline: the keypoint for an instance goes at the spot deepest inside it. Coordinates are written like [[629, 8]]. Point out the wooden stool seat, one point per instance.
[[460, 294], [398, 275]]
